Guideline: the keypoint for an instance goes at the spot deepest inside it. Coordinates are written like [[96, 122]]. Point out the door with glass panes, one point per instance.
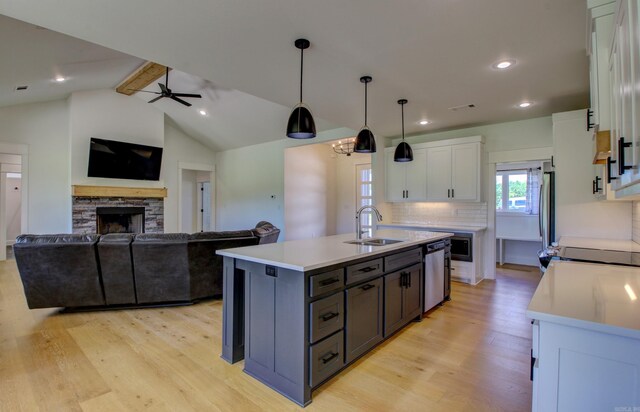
[[364, 196]]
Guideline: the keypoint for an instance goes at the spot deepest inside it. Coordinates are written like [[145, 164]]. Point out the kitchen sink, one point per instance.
[[373, 241]]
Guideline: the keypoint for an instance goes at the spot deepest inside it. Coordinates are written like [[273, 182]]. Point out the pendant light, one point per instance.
[[403, 153], [365, 142], [301, 124]]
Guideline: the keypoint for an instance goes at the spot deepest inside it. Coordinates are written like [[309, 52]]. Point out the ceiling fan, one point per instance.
[[166, 92]]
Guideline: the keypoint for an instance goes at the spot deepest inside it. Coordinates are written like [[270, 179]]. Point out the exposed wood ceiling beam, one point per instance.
[[141, 78]]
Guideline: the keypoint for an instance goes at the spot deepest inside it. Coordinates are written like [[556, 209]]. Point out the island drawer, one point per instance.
[[326, 282], [327, 316], [326, 358], [403, 259], [363, 271]]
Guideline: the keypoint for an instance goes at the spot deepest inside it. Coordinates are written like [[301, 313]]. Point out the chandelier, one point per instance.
[[344, 147]]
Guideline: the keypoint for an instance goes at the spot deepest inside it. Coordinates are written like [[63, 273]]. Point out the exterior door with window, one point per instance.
[[364, 196]]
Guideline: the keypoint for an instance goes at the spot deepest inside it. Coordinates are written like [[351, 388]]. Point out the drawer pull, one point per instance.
[[329, 316], [328, 282], [368, 269], [329, 358], [367, 286]]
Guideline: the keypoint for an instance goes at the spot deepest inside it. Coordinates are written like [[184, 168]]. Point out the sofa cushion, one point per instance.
[[114, 253], [230, 234], [59, 270]]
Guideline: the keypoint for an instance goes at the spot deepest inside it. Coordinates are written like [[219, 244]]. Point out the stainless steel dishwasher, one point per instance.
[[434, 282]]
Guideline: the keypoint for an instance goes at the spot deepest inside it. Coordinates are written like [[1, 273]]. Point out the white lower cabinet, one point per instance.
[[576, 369]]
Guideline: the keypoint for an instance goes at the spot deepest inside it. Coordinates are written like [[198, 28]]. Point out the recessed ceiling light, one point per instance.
[[60, 79], [202, 112], [504, 64], [524, 104], [423, 122]]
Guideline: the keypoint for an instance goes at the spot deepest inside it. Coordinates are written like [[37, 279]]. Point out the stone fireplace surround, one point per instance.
[[86, 200]]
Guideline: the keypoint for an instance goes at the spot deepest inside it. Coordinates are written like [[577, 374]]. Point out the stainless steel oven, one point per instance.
[[462, 247]]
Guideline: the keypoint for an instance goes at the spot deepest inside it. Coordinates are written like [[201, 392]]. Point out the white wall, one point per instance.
[[578, 212], [44, 127], [189, 201], [346, 190], [105, 114], [179, 147], [250, 182], [309, 191], [13, 198]]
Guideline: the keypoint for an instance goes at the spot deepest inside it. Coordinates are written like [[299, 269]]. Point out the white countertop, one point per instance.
[[309, 254], [589, 296], [435, 226], [605, 244]]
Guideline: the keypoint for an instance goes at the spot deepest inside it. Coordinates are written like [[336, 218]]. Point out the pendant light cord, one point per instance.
[[365, 104], [402, 107], [301, 65]]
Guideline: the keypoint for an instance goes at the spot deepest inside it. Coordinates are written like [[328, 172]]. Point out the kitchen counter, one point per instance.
[[590, 296], [434, 226], [585, 352], [605, 244], [309, 254]]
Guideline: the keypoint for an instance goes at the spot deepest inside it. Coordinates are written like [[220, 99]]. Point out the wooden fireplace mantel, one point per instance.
[[112, 191]]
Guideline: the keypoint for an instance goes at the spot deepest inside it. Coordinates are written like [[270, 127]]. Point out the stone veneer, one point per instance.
[[83, 212]]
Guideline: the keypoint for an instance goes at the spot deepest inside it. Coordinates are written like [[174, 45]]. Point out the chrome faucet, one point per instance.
[[359, 224]]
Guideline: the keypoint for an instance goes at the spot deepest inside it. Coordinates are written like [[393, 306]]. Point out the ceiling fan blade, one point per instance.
[[180, 100], [164, 88], [145, 91], [187, 95], [156, 99]]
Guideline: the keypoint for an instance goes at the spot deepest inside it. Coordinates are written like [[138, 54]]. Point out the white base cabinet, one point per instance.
[[577, 369]]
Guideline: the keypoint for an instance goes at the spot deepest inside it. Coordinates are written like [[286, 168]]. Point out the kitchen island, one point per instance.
[[300, 311], [586, 338]]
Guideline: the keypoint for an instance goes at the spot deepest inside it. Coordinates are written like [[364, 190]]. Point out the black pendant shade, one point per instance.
[[365, 142], [301, 124], [403, 152]]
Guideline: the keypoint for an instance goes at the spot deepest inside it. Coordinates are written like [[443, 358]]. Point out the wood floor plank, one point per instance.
[[471, 354]]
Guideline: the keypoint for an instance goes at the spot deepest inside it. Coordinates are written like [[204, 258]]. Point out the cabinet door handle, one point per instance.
[[329, 316], [621, 166], [448, 193], [328, 282], [408, 282], [367, 286], [533, 362], [328, 358], [403, 279], [609, 163], [593, 187], [596, 185], [407, 193], [589, 123], [453, 193], [368, 269]]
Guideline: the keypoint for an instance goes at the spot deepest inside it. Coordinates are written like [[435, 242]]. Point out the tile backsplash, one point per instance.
[[635, 222], [466, 214]]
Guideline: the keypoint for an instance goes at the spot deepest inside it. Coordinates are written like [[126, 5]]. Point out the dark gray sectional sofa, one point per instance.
[[116, 270]]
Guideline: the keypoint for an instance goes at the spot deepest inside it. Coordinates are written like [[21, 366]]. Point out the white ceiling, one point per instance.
[[437, 54]]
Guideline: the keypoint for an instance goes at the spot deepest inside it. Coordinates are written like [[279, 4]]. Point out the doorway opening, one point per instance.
[[196, 202]]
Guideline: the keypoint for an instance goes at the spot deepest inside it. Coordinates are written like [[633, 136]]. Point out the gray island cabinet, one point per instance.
[[298, 312]]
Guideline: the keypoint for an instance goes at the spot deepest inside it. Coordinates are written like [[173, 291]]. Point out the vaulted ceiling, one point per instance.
[[436, 54]]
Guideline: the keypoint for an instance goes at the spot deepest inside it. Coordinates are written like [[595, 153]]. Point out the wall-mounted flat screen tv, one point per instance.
[[120, 160]]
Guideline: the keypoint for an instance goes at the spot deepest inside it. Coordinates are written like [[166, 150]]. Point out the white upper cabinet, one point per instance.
[[600, 23], [453, 173], [441, 171], [624, 70], [406, 181], [439, 174]]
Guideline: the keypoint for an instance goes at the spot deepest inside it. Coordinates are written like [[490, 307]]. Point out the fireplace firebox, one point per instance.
[[120, 220]]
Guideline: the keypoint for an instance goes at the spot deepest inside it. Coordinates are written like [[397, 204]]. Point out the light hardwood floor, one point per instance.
[[471, 354]]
